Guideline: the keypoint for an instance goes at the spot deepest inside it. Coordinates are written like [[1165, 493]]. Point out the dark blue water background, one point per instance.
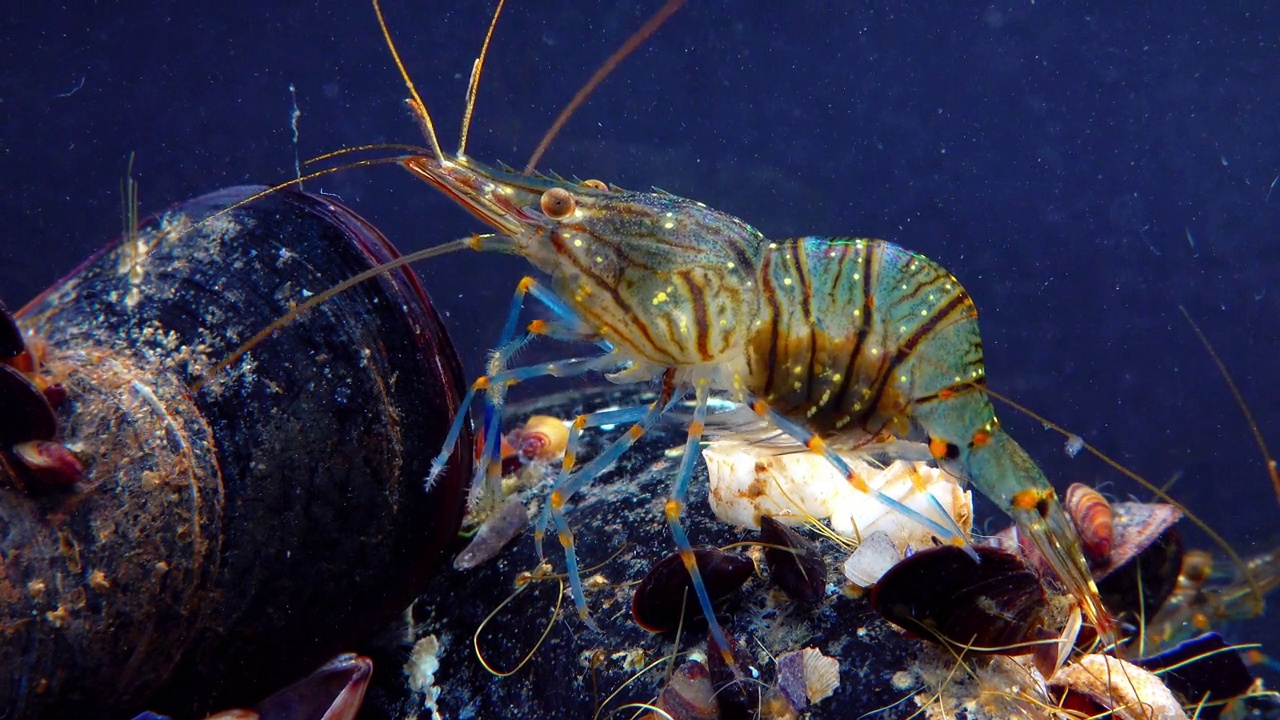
[[1083, 168]]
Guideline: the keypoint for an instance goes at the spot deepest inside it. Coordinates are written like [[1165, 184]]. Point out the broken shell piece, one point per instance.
[[50, 463], [494, 534], [807, 676], [871, 559], [1111, 684], [689, 695], [747, 481]]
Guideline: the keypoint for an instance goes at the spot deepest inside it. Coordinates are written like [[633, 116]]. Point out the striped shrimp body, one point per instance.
[[834, 342]]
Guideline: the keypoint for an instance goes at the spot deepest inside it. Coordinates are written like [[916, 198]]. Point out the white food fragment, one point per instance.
[[421, 668], [871, 559], [1134, 693], [747, 481], [1074, 445]]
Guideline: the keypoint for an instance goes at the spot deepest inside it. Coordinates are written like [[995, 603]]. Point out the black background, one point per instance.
[[1056, 157]]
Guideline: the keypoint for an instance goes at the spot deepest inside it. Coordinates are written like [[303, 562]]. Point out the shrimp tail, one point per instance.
[[1003, 471]]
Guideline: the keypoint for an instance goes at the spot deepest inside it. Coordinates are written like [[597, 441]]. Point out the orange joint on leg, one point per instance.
[[695, 429], [557, 500], [816, 444], [672, 509], [570, 460], [636, 432], [538, 327], [760, 407], [526, 284], [481, 383], [566, 539], [690, 561], [580, 422], [937, 447], [1026, 499], [857, 482]]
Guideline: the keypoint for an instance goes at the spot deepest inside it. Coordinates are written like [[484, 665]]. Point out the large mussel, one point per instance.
[[221, 542]]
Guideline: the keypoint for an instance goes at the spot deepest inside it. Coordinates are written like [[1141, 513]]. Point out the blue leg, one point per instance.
[[557, 368], [568, 482], [673, 508], [497, 378], [946, 527]]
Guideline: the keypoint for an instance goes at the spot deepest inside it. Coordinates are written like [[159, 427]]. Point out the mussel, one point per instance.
[[221, 542]]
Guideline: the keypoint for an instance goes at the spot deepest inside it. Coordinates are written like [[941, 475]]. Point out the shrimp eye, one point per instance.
[[595, 185], [557, 203]]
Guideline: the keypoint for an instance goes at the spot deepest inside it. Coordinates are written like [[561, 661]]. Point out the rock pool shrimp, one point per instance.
[[837, 343]]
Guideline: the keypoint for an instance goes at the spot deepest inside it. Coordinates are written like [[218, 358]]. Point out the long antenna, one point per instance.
[[474, 85], [419, 108], [467, 243], [628, 47], [1272, 469]]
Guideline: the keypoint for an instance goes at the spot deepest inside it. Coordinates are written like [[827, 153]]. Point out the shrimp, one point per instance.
[[841, 344], [835, 342]]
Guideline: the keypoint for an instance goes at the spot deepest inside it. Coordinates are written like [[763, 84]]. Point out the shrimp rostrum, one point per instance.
[[835, 342]]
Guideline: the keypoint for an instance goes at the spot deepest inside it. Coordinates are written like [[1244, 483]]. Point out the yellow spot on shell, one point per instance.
[[786, 281], [577, 242], [660, 298]]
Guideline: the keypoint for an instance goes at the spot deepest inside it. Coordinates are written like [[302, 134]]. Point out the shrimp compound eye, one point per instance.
[[557, 203], [595, 185]]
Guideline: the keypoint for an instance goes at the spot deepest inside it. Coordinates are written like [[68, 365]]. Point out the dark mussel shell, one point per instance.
[[223, 542], [994, 606], [11, 341], [666, 588], [1202, 669], [25, 412], [737, 696], [795, 564]]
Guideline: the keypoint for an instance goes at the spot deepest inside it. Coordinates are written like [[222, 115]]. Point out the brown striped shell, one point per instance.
[[1094, 519]]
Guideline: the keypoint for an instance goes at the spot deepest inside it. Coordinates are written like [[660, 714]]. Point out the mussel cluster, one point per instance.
[[180, 549]]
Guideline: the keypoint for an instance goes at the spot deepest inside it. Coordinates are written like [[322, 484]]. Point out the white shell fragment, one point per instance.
[[871, 559], [1132, 692], [747, 481]]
